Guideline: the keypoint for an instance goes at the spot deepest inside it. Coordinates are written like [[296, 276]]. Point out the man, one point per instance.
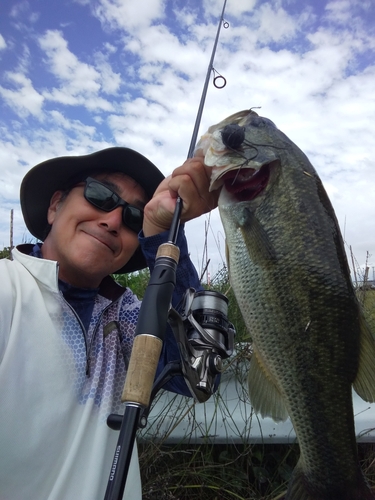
[[66, 328]]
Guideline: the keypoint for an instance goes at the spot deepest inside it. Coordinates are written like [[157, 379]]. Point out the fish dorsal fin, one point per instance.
[[364, 384], [263, 393]]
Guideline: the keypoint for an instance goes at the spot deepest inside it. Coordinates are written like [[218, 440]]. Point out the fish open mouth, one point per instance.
[[247, 183]]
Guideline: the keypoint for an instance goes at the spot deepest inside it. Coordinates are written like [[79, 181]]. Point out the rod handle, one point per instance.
[[142, 368]]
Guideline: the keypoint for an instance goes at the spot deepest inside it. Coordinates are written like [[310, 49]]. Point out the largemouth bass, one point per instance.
[[290, 275]]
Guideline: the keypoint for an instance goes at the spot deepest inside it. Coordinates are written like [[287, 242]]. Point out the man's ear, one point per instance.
[[53, 206]]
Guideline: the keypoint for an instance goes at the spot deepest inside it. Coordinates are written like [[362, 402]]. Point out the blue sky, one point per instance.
[[81, 75]]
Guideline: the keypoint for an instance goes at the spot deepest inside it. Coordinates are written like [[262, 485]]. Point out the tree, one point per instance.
[[5, 253]]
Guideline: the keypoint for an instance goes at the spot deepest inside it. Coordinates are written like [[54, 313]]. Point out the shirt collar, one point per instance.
[[46, 271]]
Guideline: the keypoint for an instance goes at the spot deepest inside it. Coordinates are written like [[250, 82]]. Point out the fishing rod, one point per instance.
[[205, 86], [198, 119], [209, 340]]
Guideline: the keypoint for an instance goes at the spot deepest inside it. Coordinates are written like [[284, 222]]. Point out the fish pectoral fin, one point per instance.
[[256, 239], [263, 393], [364, 384]]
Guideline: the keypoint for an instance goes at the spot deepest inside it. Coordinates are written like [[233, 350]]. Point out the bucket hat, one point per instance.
[[61, 173]]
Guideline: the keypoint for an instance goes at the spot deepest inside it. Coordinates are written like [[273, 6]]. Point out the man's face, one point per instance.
[[87, 242]]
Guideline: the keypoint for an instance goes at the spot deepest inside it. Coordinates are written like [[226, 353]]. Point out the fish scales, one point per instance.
[[290, 276]]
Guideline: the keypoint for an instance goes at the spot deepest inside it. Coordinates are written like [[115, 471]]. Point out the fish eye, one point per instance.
[[259, 121]]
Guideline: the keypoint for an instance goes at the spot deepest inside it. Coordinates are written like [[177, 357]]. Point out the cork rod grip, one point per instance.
[[142, 368]]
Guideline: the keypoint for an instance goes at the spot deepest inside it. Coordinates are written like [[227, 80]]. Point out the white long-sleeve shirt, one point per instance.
[[54, 440]]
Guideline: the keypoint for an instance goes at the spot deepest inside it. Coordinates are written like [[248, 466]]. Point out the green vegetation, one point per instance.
[[5, 253], [217, 472], [136, 281]]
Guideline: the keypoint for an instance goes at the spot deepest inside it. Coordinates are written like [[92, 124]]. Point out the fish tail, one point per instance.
[[302, 487]]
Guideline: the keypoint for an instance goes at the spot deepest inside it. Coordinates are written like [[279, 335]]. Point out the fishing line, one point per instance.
[[219, 82], [252, 146]]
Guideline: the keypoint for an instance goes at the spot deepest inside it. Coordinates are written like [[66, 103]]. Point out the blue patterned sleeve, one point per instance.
[[186, 277]]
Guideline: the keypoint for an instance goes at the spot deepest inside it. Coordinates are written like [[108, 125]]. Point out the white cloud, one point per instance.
[[66, 66], [275, 24], [235, 8], [340, 11], [2, 42], [24, 99], [185, 17], [79, 128], [80, 83], [23, 10], [19, 8], [129, 15], [110, 81]]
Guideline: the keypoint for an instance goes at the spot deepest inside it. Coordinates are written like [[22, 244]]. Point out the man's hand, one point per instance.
[[191, 182]]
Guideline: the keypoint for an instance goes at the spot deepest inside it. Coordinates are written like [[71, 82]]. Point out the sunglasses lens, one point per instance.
[[133, 218], [100, 196]]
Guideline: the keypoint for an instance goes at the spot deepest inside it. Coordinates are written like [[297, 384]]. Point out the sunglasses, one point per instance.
[[102, 197]]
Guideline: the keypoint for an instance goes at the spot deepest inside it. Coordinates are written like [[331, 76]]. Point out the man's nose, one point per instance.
[[112, 220]]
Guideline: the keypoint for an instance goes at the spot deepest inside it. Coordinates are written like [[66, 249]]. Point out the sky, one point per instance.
[[77, 76]]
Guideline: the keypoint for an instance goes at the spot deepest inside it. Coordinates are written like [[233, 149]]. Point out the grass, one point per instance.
[[243, 471], [217, 471], [208, 470], [226, 472]]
